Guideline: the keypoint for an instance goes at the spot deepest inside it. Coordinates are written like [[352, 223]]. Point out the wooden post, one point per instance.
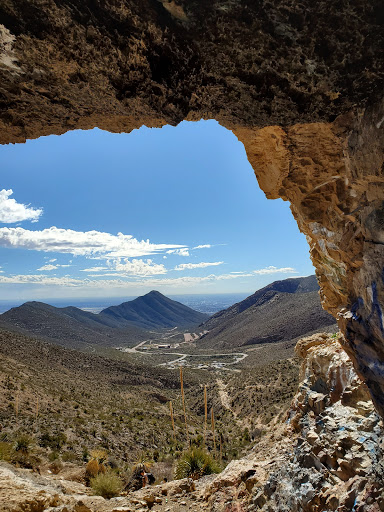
[[205, 413], [183, 400], [213, 431], [173, 422]]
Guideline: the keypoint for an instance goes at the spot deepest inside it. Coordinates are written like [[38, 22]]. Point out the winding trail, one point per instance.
[[237, 356], [226, 400]]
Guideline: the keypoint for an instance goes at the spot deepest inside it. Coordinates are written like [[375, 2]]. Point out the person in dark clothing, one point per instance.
[[151, 478]]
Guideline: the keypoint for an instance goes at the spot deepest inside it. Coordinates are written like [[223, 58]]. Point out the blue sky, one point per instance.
[[177, 209]]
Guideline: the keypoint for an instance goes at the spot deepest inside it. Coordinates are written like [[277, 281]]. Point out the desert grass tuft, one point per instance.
[[195, 463], [108, 485]]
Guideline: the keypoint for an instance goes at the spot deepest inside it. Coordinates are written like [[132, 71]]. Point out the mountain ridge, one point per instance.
[[281, 311], [153, 310], [73, 327]]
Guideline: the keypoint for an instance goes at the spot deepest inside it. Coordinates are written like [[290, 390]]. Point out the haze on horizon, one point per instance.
[[91, 214]]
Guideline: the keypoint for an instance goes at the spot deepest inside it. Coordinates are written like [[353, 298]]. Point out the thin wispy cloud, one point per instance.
[[125, 282], [274, 270], [11, 211], [189, 266], [50, 267], [47, 267], [94, 269], [205, 246], [180, 252], [95, 244]]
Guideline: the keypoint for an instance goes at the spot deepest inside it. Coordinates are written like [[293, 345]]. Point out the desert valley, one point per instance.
[[90, 396]]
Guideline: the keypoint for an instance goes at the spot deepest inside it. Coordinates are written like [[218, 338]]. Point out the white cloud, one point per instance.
[[11, 211], [48, 267], [94, 244], [52, 260], [105, 284], [188, 266], [275, 270], [181, 252], [125, 267], [52, 267], [205, 246], [138, 267], [94, 269], [41, 279]]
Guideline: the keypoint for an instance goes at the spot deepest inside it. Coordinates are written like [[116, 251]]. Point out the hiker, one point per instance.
[[139, 479], [144, 478]]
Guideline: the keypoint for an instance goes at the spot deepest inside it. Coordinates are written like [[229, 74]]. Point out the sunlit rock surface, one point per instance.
[[329, 455]]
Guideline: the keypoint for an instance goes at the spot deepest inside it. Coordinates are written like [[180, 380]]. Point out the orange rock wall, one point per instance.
[[332, 174]]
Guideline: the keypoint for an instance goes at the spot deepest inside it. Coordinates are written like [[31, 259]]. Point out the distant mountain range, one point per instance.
[[281, 311], [124, 324]]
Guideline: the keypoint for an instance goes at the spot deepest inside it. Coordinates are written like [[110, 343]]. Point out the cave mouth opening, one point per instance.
[[96, 214]]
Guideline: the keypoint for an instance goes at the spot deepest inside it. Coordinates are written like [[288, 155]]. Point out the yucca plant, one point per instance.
[[23, 444], [196, 463], [96, 465]]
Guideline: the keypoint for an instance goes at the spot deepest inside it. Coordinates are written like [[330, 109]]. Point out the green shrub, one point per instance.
[[53, 441], [23, 444], [5, 451], [108, 485], [196, 463]]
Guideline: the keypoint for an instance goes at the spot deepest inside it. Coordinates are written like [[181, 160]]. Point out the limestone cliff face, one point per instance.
[[300, 83], [328, 456]]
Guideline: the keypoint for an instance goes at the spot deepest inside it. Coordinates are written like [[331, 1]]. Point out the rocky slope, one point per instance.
[[282, 311], [326, 456], [70, 327]]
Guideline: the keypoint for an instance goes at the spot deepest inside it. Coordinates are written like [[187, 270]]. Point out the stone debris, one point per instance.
[[326, 457]]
